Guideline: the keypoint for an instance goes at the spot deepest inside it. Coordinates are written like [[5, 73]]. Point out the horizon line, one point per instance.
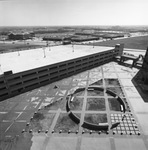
[[66, 25]]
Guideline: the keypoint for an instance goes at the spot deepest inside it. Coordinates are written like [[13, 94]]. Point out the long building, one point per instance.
[[20, 36], [48, 66]]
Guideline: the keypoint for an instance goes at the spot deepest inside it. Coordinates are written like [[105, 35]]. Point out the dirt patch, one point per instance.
[[112, 82], [76, 104], [114, 105], [95, 93], [65, 124], [96, 118], [41, 121], [117, 90], [96, 104]]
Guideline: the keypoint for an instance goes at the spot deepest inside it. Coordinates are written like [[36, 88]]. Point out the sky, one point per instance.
[[73, 12]]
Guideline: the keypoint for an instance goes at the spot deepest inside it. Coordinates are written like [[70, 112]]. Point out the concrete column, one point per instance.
[[145, 68], [6, 74], [145, 61], [119, 47]]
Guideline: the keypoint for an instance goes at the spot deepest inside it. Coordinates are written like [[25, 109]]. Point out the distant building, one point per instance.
[[57, 38], [84, 38], [112, 36], [52, 38], [66, 42], [20, 36]]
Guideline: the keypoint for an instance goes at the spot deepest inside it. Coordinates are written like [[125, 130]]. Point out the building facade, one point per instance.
[[20, 36]]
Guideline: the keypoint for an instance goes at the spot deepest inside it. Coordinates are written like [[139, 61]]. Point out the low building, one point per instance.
[[20, 36], [84, 39], [66, 42], [52, 38], [112, 36], [57, 38]]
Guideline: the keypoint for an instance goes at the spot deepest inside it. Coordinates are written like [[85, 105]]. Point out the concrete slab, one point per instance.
[[37, 142], [125, 75], [11, 116], [95, 143], [62, 143], [131, 91], [8, 105], [2, 115], [21, 106], [126, 82], [15, 129], [97, 69], [129, 144], [32, 106], [3, 127], [95, 75], [108, 68], [142, 118], [139, 105], [25, 116], [110, 75]]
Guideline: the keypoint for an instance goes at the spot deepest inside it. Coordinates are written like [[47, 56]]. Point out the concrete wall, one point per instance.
[[120, 47], [145, 61], [14, 84]]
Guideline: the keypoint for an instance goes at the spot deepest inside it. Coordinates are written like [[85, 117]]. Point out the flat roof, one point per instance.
[[29, 59]]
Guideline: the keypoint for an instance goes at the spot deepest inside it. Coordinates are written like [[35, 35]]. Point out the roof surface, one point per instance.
[[29, 59]]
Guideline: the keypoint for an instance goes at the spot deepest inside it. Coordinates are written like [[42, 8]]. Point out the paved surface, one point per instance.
[[16, 112]]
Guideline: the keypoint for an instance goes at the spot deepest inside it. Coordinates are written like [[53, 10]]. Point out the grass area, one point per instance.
[[132, 42], [13, 46], [95, 104]]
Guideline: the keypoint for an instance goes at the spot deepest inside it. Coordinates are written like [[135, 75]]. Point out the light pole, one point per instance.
[[47, 43], [18, 53], [49, 47], [93, 44], [72, 47], [44, 52]]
